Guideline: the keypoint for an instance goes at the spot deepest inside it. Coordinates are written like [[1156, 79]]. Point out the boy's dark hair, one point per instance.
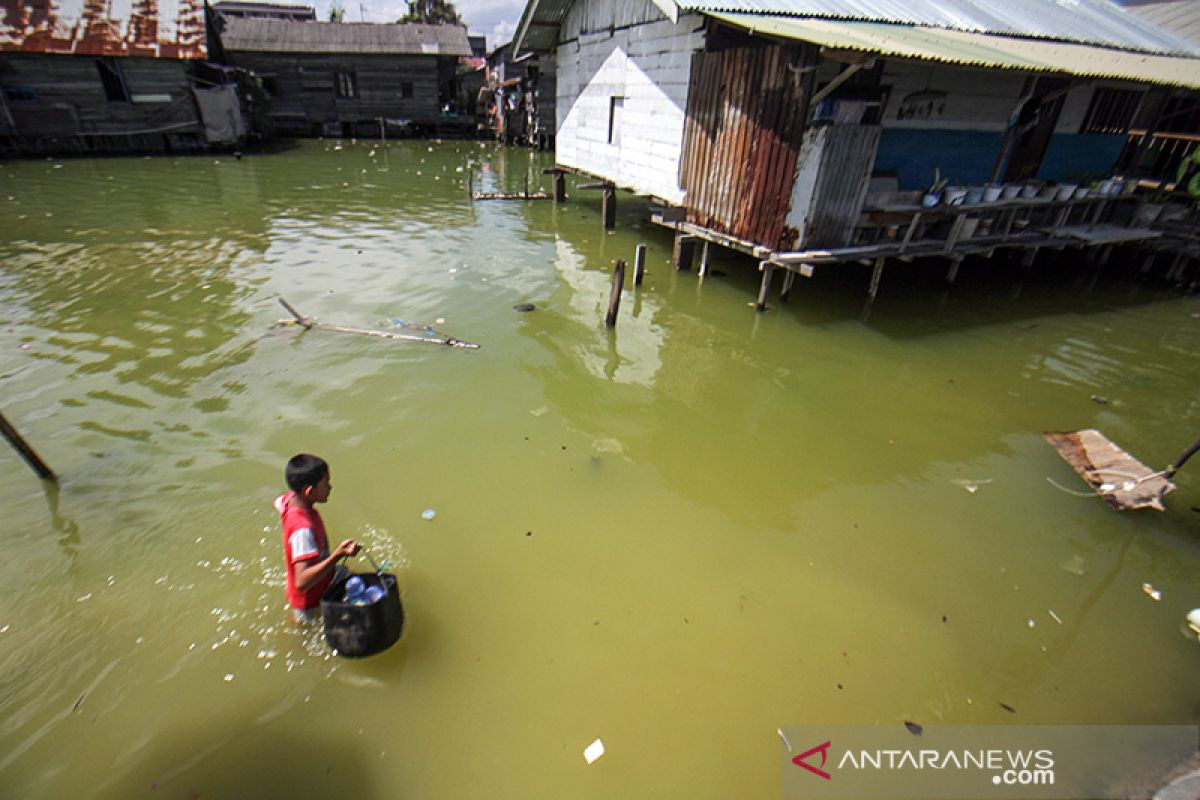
[[304, 470]]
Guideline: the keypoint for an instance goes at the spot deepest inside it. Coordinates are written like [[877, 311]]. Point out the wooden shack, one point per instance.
[[85, 77], [347, 79], [767, 131]]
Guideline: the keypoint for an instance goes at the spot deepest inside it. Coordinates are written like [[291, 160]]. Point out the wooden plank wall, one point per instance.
[[302, 86], [745, 120], [55, 103], [69, 86]]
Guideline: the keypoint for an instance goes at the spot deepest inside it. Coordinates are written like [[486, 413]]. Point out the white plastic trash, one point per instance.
[[1193, 619], [593, 751]]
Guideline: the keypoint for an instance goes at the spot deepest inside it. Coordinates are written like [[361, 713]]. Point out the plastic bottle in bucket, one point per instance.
[[355, 591]]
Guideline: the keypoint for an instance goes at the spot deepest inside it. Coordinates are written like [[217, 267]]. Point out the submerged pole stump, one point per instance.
[[22, 447]]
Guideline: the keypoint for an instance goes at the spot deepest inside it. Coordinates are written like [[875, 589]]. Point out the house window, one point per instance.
[[406, 90], [113, 80], [345, 84], [1111, 111], [616, 109]]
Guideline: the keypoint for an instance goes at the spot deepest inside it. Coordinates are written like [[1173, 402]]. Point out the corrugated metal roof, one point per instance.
[[977, 49], [1088, 21], [1180, 17], [537, 29], [283, 36]]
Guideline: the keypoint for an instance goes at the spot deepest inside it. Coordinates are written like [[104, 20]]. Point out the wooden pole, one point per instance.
[[560, 187], [21, 446], [1183, 457], [767, 269], [685, 252], [639, 264], [608, 207], [614, 295]]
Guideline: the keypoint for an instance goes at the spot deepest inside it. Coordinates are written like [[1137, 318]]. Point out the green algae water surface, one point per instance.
[[676, 537]]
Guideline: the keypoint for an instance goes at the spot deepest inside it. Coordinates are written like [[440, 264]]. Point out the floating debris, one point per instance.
[[971, 486], [914, 728], [593, 751], [1054, 616], [1151, 592], [428, 513], [1008, 708], [1099, 399], [523, 307], [1193, 618]]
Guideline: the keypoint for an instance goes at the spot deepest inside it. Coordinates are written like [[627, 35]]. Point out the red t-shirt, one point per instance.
[[303, 540]]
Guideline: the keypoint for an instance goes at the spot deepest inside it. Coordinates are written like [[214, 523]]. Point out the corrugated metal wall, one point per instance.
[[746, 112], [845, 172]]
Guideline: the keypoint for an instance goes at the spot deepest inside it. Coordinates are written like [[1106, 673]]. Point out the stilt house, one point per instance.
[[346, 79], [776, 127], [83, 76]]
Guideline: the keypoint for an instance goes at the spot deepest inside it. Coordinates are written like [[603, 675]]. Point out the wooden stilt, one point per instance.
[[789, 278], [685, 252], [639, 264], [608, 207], [1105, 254], [1029, 257], [560, 187], [526, 185], [26, 452], [1148, 263], [614, 294], [767, 269], [704, 259], [471, 184], [952, 273], [876, 276]]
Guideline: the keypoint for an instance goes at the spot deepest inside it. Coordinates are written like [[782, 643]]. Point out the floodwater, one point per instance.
[[676, 537]]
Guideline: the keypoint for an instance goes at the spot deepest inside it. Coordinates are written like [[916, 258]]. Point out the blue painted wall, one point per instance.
[[1072, 157], [965, 157]]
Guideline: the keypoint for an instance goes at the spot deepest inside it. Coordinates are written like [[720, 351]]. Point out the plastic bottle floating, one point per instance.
[[428, 513]]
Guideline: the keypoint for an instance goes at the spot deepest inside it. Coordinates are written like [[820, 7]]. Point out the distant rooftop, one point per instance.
[[279, 36], [232, 8]]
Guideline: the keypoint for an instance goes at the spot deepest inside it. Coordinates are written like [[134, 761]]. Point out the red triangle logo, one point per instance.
[[823, 749]]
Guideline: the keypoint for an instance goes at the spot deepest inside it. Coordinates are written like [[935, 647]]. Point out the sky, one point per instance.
[[495, 19]]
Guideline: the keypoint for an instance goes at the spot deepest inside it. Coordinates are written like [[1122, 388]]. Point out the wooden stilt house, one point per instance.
[[84, 76], [807, 132], [346, 79]]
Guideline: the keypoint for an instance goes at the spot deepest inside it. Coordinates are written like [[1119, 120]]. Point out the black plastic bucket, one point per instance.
[[356, 631]]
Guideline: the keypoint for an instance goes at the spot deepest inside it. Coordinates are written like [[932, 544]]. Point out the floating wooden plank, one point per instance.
[[1122, 480], [309, 325], [511, 196]]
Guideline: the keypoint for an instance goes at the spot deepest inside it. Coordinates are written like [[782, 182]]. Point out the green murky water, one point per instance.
[[677, 537]]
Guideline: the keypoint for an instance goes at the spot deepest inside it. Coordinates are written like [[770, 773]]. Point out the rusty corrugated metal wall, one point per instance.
[[745, 119]]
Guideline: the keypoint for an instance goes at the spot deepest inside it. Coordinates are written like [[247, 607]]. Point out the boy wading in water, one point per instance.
[[310, 565]]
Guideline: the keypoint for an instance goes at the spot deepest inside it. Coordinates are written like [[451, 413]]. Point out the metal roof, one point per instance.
[[1087, 21], [1180, 17], [1100, 22], [977, 49], [284, 36]]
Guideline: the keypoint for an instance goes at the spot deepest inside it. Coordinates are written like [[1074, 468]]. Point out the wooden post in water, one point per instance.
[[608, 207], [789, 278], [21, 446], [526, 185], [876, 276], [614, 295], [639, 264], [560, 187], [685, 252], [767, 269]]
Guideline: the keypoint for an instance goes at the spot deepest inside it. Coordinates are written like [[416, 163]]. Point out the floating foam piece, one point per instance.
[[593, 751]]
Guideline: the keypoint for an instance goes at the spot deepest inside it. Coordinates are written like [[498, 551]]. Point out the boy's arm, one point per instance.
[[308, 572]]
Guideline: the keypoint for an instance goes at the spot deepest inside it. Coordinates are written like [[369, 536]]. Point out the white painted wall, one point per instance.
[[979, 100], [625, 49]]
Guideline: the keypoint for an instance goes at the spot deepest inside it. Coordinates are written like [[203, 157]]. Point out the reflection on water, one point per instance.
[[677, 535]]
